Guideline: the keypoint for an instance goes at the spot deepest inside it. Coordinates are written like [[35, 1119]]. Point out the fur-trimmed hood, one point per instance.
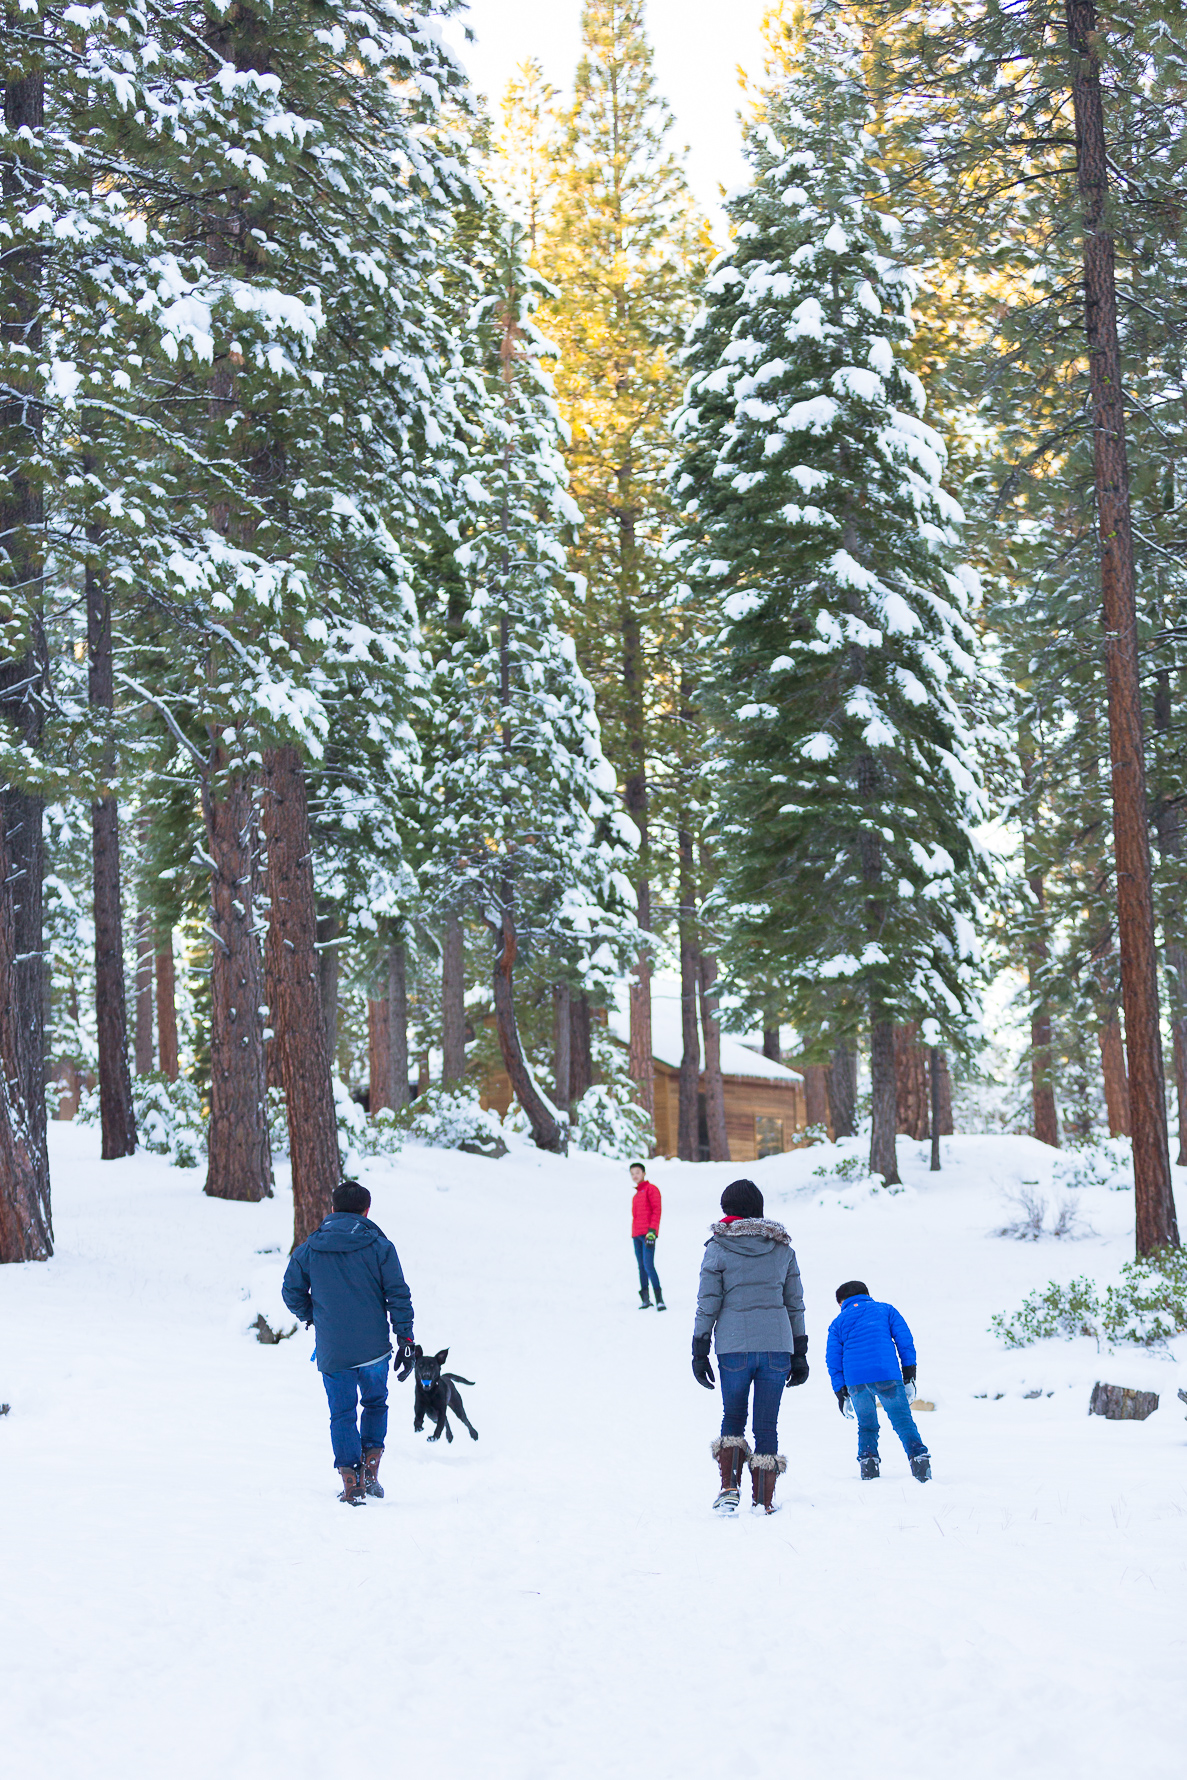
[[752, 1227]]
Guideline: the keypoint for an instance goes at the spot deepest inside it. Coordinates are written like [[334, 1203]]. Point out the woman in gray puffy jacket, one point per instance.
[[749, 1297]]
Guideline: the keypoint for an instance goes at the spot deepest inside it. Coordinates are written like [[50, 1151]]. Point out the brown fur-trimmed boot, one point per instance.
[[731, 1452], [765, 1467], [371, 1481], [353, 1489]]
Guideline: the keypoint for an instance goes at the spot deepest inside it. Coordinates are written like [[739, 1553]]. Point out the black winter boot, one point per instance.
[[659, 1300], [921, 1467], [644, 1298], [870, 1467]]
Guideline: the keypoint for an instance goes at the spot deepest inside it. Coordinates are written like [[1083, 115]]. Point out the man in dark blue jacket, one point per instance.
[[865, 1345], [346, 1280]]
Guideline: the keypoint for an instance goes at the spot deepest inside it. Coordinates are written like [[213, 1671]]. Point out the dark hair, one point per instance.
[[350, 1196], [641, 1165], [852, 1288], [742, 1199]]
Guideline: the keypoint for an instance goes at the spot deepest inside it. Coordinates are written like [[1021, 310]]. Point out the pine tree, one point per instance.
[[624, 246], [816, 510], [524, 834]]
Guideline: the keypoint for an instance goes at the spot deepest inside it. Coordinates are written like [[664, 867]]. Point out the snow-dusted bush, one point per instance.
[[618, 1129], [451, 1119], [1148, 1307], [169, 1119], [1038, 1217], [1108, 1163]]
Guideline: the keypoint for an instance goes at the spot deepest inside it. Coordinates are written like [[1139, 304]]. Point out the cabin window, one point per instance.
[[768, 1137]]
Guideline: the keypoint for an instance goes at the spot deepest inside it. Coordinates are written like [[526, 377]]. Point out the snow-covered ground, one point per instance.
[[184, 1597]]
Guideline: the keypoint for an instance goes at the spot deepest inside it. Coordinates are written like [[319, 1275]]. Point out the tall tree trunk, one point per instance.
[[1042, 1088], [167, 1010], [328, 966], [562, 1044], [912, 1098], [547, 1133], [580, 1049], [144, 996], [116, 1114], [641, 1059], [453, 1003], [815, 1094], [239, 1157], [883, 1150], [1155, 1206], [1168, 822], [1112, 1062], [688, 1146], [770, 1044], [944, 1089], [379, 1054], [933, 1084], [397, 1002], [841, 1084], [719, 1146], [26, 1232], [300, 1032]]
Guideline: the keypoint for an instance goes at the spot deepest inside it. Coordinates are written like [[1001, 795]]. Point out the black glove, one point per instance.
[[650, 1237], [405, 1356], [797, 1372], [908, 1375], [701, 1369], [842, 1398]]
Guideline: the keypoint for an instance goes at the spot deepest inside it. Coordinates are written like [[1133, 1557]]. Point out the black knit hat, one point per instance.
[[742, 1199], [852, 1288]]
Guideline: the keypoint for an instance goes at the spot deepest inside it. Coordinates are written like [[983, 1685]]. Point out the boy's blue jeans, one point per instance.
[[344, 1389], [645, 1256], [892, 1394], [768, 1374]]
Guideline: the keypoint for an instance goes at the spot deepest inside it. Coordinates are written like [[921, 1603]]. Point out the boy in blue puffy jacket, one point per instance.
[[865, 1346]]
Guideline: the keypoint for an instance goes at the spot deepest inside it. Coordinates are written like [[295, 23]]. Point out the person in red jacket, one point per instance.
[[646, 1207]]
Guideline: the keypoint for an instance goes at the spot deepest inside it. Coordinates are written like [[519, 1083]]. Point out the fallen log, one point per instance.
[[1119, 1404]]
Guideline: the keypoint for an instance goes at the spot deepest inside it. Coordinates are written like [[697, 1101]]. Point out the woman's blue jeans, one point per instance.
[[645, 1256], [344, 1390], [768, 1374], [892, 1394]]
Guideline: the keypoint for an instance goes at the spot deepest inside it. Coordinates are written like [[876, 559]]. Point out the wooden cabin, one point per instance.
[[764, 1112]]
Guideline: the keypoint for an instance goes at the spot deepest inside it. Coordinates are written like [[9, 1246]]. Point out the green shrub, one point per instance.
[[1148, 1307]]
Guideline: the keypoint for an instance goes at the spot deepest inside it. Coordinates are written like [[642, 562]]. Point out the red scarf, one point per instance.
[[733, 1220]]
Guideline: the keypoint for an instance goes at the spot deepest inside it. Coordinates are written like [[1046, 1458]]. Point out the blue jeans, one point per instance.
[[344, 1390], [645, 1256], [892, 1394], [768, 1374]]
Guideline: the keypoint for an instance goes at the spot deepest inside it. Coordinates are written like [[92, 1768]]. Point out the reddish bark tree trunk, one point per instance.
[[379, 1054], [546, 1131], [912, 1093], [25, 1229], [116, 1114], [300, 1030], [1042, 1090], [580, 1049], [719, 1147], [944, 1092], [397, 1003], [453, 1003], [1112, 1062], [815, 1093], [841, 1083], [327, 976], [688, 1146], [239, 1157], [1155, 1206], [562, 1044], [167, 1011], [933, 1083], [883, 1151], [144, 984]]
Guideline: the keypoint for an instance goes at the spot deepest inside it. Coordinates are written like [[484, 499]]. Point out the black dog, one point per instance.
[[436, 1391]]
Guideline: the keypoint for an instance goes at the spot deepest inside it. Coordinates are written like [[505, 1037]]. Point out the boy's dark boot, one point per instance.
[[644, 1298], [731, 1452], [371, 1481], [353, 1489], [870, 1467], [921, 1467], [765, 1467], [659, 1300]]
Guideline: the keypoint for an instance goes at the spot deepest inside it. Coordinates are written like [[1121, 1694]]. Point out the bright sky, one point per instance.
[[698, 44]]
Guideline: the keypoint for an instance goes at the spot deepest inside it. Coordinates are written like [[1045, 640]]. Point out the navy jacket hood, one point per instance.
[[347, 1281], [344, 1231]]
